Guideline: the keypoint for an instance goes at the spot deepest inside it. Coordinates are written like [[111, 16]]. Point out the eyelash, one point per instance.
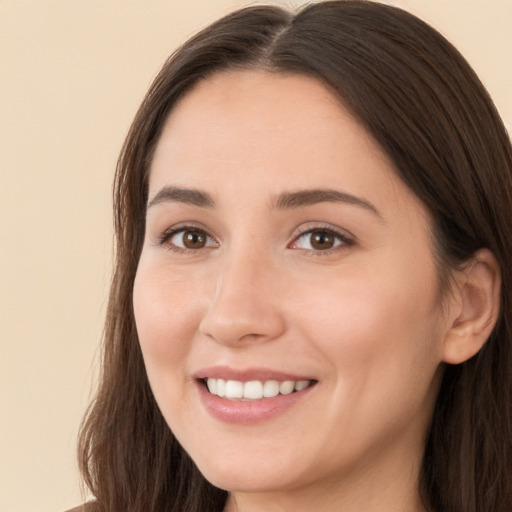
[[342, 240]]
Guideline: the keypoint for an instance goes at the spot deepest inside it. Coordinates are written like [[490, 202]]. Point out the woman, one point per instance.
[[311, 302]]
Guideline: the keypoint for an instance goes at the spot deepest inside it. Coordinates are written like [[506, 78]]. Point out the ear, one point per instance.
[[475, 308]]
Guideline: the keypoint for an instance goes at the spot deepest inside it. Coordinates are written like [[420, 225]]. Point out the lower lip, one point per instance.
[[251, 411]]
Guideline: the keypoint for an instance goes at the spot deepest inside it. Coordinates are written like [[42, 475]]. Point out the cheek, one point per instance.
[[381, 343], [372, 327], [166, 315]]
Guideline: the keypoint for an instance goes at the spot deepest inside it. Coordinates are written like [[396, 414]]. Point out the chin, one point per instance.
[[254, 482], [248, 476]]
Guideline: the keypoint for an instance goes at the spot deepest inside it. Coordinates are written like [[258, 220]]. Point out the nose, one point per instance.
[[245, 306]]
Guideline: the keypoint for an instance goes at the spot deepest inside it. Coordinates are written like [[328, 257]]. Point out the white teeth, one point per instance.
[[234, 389], [221, 387], [254, 389], [286, 387], [301, 384], [270, 388], [212, 386]]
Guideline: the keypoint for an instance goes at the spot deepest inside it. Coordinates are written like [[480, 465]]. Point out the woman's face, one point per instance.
[[282, 252]]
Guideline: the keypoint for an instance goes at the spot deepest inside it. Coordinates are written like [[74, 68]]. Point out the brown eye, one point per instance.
[[194, 239], [191, 239], [320, 240]]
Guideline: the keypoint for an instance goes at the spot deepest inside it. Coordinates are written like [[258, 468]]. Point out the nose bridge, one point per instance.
[[243, 305]]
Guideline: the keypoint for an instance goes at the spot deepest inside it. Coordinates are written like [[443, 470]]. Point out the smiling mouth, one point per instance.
[[254, 389]]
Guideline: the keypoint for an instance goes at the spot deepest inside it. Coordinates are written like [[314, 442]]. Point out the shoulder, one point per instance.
[[85, 507]]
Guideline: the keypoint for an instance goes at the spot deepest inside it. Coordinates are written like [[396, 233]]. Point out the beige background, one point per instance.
[[72, 73]]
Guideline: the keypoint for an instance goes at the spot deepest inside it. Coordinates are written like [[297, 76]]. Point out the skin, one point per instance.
[[362, 319]]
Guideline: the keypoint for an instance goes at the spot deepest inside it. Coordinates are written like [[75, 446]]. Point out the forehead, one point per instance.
[[252, 106], [268, 132]]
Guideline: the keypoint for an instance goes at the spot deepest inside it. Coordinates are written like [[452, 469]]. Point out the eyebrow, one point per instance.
[[290, 200], [182, 195], [284, 201]]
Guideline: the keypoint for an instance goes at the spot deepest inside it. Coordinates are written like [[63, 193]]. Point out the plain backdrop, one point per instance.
[[72, 73]]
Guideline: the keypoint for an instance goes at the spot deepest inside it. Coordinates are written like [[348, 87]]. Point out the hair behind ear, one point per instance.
[[468, 454]]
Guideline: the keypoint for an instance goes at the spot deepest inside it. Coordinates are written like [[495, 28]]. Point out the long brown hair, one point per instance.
[[425, 106]]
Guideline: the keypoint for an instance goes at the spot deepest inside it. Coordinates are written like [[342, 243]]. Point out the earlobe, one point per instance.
[[477, 308]]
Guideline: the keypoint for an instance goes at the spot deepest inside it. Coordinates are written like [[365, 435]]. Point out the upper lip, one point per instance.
[[246, 375]]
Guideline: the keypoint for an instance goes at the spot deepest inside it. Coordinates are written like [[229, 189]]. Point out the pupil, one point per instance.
[[322, 240], [194, 240]]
